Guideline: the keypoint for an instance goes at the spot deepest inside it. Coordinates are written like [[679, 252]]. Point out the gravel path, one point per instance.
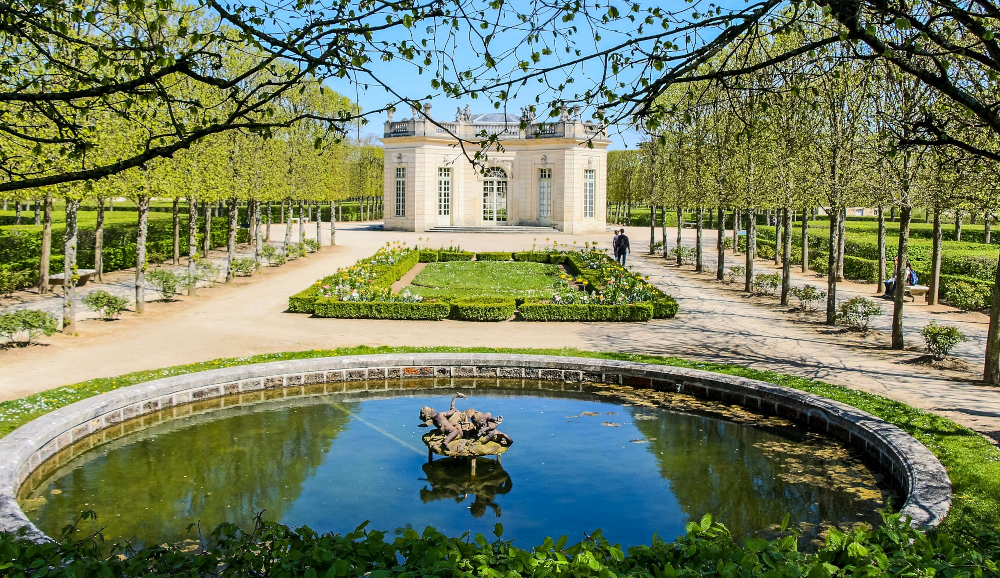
[[716, 323]]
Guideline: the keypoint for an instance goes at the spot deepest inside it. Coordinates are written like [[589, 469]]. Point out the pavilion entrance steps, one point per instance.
[[509, 230]]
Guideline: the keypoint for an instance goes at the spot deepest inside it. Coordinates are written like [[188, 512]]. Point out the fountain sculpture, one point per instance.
[[463, 434]]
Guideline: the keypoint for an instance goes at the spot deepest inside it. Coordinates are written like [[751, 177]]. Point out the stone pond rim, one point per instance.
[[911, 466]]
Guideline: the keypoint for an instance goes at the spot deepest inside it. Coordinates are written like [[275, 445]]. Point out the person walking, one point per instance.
[[623, 246], [614, 245]]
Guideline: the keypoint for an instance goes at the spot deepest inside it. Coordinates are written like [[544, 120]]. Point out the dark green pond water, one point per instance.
[[333, 461]]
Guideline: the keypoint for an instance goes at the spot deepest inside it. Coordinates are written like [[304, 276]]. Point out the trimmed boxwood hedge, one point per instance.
[[494, 256], [533, 256], [483, 308], [428, 256], [550, 312], [456, 256], [329, 307]]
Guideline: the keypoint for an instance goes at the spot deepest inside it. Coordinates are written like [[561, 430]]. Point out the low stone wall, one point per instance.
[[911, 466]]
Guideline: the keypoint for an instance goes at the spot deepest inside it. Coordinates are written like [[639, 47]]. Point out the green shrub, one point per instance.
[[327, 307], [551, 312], [735, 273], [808, 296], [665, 306], [686, 253], [494, 256], [270, 253], [861, 269], [428, 256], [312, 245], [385, 276], [23, 326], [483, 308], [243, 267], [766, 284], [966, 296], [207, 271], [532, 256], [165, 282], [11, 280], [277, 260], [857, 312], [456, 256], [941, 339], [303, 301], [108, 305]]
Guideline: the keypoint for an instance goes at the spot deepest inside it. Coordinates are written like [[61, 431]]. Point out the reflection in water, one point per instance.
[[332, 461], [452, 479]]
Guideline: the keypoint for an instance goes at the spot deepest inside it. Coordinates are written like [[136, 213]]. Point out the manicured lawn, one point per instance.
[[488, 278], [973, 463]]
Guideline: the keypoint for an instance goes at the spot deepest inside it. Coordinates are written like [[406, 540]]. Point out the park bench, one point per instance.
[[915, 291], [687, 225], [83, 274]]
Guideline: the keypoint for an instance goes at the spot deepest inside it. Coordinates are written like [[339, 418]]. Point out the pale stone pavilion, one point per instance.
[[545, 176]]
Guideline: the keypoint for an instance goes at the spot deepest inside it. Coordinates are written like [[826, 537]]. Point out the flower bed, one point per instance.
[[610, 292]]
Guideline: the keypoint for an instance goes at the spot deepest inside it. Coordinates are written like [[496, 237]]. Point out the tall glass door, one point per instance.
[[495, 197]]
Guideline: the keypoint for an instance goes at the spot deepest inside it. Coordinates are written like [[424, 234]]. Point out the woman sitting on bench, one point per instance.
[[890, 285]]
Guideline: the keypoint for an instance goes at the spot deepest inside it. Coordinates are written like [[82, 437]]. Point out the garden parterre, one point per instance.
[[594, 287]]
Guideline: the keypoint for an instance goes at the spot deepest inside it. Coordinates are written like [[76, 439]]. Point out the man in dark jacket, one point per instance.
[[623, 246]]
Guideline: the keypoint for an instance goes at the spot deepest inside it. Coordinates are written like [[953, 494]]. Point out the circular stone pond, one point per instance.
[[633, 462]]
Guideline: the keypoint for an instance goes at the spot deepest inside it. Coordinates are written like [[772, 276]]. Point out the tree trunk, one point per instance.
[[252, 215], [652, 228], [267, 221], [892, 214], [258, 240], [288, 227], [111, 204], [17, 212], [231, 229], [663, 229], [841, 243], [302, 225], [69, 268], [282, 210], [333, 226], [786, 258], [340, 211], [140, 255], [699, 257], [192, 265], [206, 243], [958, 225], [831, 268], [934, 283], [680, 230], [720, 246], [629, 216], [751, 252], [987, 226], [38, 215], [319, 225], [991, 372], [778, 224], [805, 240], [43, 264], [737, 218], [900, 291], [881, 248], [99, 241], [177, 231]]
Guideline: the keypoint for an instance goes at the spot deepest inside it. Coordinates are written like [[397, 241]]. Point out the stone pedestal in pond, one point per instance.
[[463, 448], [463, 434]]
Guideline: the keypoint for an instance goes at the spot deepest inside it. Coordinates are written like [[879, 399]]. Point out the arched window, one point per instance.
[[494, 196]]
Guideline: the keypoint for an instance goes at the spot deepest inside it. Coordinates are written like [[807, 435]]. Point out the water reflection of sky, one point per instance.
[[332, 465]]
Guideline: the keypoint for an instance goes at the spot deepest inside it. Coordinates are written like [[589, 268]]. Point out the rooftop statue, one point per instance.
[[467, 433]]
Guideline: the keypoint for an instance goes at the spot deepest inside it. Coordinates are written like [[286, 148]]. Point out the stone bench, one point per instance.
[[83, 274], [915, 291]]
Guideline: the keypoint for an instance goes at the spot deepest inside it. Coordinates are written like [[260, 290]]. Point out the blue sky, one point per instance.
[[403, 77]]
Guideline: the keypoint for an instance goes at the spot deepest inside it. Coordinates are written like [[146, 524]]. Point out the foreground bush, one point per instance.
[[857, 313], [941, 339], [808, 296], [23, 326], [165, 282], [11, 280], [706, 549], [966, 296], [108, 305]]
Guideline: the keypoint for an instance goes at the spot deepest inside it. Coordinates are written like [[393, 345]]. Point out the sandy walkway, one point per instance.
[[249, 318]]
